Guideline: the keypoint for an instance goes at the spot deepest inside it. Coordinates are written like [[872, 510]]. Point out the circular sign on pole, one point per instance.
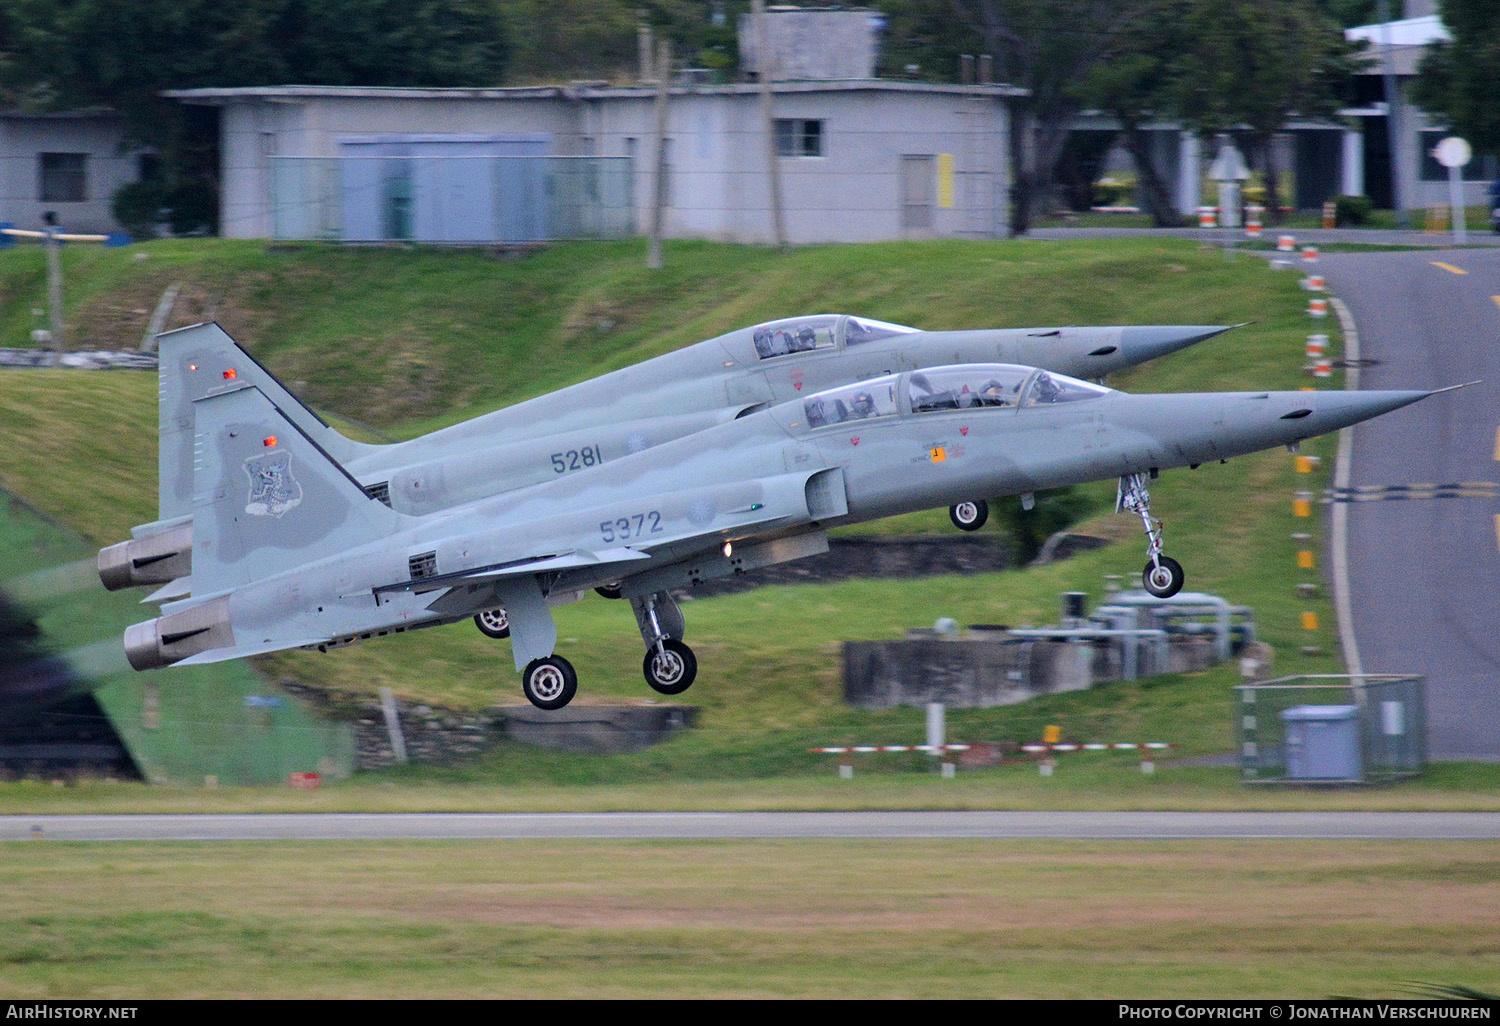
[[1452, 152]]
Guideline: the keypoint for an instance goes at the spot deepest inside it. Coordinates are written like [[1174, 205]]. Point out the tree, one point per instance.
[[1139, 85], [1252, 66], [1048, 47], [1459, 81]]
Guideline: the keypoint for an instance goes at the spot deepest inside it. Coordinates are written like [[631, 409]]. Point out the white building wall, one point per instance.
[[110, 163], [851, 192]]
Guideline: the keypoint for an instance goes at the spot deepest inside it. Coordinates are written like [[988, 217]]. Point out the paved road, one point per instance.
[[1425, 575], [1304, 236], [755, 825]]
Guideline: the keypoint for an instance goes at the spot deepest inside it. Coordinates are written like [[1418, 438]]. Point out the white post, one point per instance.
[[659, 180], [393, 723], [1456, 201], [1352, 174], [1189, 191]]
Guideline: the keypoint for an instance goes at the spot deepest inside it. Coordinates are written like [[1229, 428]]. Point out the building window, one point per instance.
[[799, 137], [61, 177]]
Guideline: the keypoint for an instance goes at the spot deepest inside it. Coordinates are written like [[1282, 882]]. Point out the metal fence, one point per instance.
[[452, 199], [1331, 728]]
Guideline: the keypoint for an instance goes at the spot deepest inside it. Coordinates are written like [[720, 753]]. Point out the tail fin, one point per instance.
[[203, 360], [266, 497]]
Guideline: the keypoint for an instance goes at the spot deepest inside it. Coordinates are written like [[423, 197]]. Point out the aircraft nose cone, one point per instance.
[[1340, 409], [1147, 342]]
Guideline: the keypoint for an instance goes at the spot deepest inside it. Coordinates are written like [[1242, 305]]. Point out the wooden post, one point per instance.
[[764, 62], [54, 285], [659, 180]]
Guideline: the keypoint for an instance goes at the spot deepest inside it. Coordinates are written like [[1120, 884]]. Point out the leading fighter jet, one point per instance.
[[290, 551], [579, 427]]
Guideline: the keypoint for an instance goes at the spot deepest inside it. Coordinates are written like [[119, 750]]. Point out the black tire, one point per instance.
[[609, 591], [969, 516], [493, 623], [672, 670], [1163, 578], [549, 683]]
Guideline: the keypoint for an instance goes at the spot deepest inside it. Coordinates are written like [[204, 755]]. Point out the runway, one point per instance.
[[1160, 826]]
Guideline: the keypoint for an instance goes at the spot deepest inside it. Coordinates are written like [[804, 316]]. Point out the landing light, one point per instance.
[[728, 549]]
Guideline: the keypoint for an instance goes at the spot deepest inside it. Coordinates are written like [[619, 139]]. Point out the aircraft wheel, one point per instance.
[[549, 683], [609, 591], [493, 623], [1163, 578], [672, 670], [969, 516]]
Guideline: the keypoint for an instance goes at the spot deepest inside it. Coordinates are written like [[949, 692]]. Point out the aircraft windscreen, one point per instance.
[[795, 335], [863, 401], [963, 388], [862, 329], [1050, 389]]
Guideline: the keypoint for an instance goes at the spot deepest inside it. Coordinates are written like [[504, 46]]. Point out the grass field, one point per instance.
[[822, 919]]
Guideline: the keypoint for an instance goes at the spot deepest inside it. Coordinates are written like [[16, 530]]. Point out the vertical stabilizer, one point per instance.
[[267, 498], [203, 360]]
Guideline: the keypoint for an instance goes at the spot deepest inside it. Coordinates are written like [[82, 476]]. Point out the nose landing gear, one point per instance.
[[1163, 576]]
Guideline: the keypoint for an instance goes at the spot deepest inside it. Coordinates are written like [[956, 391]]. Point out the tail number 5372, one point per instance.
[[635, 526]]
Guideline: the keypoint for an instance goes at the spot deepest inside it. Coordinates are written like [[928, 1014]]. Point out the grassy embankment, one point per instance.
[[404, 341]]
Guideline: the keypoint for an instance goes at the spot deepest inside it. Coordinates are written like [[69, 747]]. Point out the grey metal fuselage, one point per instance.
[[661, 518], [676, 394]]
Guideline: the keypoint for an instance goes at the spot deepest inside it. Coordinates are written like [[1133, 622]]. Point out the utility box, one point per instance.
[[1322, 742]]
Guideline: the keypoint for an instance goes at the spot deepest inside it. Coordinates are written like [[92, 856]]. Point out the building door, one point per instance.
[[918, 194]]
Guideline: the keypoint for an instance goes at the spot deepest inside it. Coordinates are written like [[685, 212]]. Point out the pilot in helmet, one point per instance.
[[863, 404], [806, 339]]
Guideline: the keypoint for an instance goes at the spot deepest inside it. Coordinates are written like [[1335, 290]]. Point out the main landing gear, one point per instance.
[[549, 683], [969, 516], [493, 623], [1163, 576], [670, 666]]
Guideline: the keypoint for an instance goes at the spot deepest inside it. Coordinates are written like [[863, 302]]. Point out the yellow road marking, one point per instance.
[[1497, 443], [1449, 267], [1496, 299], [1497, 530]]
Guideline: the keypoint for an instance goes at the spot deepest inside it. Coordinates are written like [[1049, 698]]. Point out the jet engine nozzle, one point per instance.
[[155, 559], [176, 636]]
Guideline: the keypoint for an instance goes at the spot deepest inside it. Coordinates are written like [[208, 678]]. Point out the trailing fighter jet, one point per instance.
[[290, 551], [599, 420]]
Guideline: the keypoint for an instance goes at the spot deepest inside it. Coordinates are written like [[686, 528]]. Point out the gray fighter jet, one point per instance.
[[290, 551], [599, 420]]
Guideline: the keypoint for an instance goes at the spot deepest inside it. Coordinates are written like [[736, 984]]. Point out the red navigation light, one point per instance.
[[230, 374], [270, 442]]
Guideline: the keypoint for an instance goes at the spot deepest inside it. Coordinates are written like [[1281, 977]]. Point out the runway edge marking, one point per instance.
[[1342, 603]]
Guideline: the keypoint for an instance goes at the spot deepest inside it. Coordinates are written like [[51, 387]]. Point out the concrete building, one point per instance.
[[1398, 47], [70, 163], [860, 161]]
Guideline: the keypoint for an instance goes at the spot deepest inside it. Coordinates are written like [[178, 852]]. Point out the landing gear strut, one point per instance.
[[969, 516], [670, 666], [550, 682], [1163, 576]]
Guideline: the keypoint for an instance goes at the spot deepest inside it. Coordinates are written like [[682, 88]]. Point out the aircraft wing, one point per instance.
[[514, 568], [216, 655]]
